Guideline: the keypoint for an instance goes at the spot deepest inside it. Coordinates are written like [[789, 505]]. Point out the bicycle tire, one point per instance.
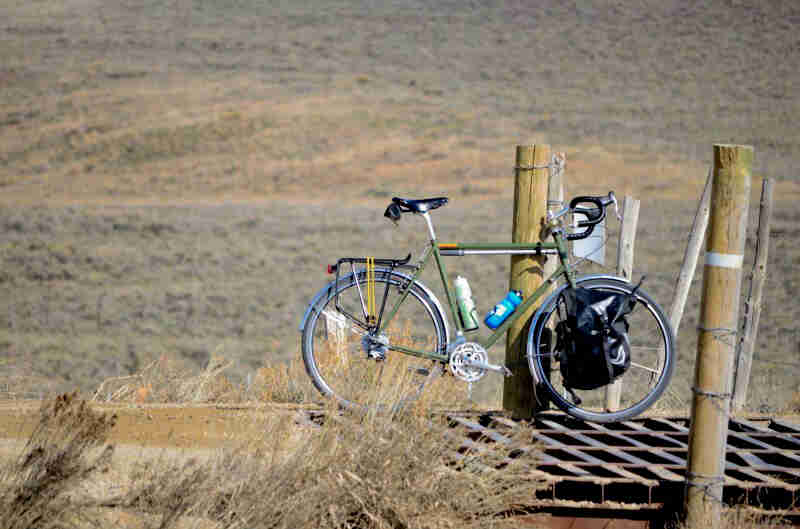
[[642, 384], [337, 362]]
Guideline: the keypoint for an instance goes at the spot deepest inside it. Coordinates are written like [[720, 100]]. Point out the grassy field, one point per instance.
[[174, 175]]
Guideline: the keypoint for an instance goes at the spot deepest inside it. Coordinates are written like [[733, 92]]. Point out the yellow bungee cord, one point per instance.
[[371, 306]]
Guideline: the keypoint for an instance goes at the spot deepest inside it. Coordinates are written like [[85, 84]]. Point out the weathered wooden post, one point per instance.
[[627, 241], [716, 343], [532, 171], [752, 307], [696, 239]]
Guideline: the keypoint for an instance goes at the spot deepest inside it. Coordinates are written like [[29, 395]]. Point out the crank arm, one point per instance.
[[489, 367]]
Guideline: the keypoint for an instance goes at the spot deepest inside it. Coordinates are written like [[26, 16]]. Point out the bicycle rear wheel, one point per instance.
[[335, 346], [652, 350]]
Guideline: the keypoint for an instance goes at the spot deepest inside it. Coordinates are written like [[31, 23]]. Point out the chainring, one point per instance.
[[460, 358]]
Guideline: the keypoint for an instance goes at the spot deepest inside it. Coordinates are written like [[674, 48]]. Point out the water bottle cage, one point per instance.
[[503, 310]]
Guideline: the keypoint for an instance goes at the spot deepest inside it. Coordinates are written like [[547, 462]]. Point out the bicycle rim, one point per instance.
[[652, 360], [340, 365]]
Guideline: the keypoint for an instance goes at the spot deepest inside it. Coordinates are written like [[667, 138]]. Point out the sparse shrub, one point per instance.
[[43, 487]]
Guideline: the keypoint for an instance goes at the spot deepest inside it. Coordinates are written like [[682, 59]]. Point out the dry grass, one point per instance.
[[402, 378], [381, 471], [183, 100], [180, 281], [747, 518], [163, 381], [19, 379], [365, 471], [279, 382]]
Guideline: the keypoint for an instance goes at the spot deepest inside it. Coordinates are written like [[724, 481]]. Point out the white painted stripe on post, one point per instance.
[[724, 260]]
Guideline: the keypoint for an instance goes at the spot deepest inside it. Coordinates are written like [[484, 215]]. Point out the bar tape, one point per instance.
[[724, 260]]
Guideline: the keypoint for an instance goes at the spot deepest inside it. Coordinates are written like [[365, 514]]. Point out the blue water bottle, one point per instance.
[[503, 310]]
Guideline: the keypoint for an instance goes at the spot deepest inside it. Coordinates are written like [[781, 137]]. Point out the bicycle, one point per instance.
[[348, 334]]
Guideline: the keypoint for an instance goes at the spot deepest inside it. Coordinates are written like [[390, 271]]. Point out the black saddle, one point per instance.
[[421, 205]]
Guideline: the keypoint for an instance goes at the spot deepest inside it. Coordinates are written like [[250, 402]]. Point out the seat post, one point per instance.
[[427, 217]]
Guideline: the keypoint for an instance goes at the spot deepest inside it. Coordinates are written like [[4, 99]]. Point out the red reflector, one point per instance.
[[331, 269]]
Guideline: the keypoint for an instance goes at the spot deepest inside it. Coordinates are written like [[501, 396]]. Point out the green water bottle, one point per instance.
[[466, 307]]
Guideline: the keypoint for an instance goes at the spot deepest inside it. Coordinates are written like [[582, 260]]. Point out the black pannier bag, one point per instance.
[[592, 344]]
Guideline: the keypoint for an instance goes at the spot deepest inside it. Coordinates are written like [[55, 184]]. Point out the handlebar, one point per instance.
[[594, 215]]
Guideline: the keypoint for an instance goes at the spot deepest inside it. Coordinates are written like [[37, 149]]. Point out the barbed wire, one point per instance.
[[711, 482], [721, 334]]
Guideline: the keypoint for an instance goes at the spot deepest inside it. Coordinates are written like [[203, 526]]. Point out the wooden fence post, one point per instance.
[[530, 207], [627, 240], [752, 307], [716, 341]]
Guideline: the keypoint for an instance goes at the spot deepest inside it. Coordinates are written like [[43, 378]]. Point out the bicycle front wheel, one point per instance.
[[652, 350], [337, 336]]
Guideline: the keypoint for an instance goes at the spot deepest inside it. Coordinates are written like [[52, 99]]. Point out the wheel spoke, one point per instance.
[[640, 366], [361, 372]]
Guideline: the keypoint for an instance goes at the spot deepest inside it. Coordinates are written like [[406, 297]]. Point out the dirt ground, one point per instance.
[[165, 425]]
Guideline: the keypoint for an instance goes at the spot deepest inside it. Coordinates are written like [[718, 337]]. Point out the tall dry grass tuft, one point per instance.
[[354, 471], [162, 381], [283, 382], [43, 488]]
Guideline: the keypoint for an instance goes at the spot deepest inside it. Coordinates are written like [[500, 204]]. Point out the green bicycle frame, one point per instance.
[[439, 250]]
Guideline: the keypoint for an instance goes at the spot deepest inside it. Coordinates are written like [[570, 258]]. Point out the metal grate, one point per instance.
[[641, 464], [636, 465]]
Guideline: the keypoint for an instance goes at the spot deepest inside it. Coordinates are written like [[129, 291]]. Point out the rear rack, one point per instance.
[[392, 264]]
